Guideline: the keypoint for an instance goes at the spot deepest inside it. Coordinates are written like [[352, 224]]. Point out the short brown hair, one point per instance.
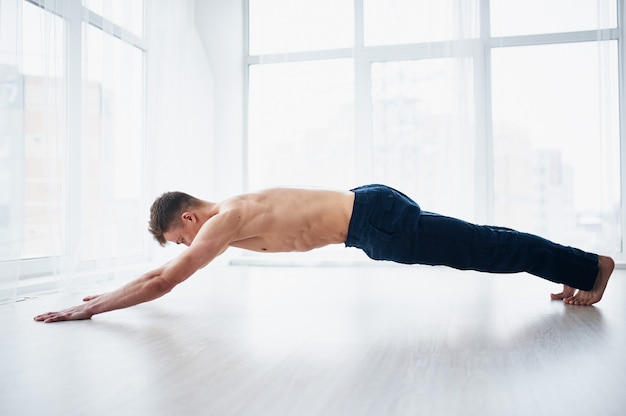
[[166, 210]]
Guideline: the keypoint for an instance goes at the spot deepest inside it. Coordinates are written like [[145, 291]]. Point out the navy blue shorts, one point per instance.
[[388, 225]]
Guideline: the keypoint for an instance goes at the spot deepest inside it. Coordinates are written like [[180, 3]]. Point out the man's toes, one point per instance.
[[580, 299]]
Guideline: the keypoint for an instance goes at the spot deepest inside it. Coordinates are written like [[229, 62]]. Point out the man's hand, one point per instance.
[[75, 313]]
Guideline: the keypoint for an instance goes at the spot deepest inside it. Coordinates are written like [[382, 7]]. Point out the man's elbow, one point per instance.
[[167, 280], [160, 286]]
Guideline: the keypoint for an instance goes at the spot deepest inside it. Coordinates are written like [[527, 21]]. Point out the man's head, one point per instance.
[[167, 212]]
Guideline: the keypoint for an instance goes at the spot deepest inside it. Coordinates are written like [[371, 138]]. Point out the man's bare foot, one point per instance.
[[567, 292], [584, 297]]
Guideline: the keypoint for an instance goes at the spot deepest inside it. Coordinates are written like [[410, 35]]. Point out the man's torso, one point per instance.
[[288, 219]]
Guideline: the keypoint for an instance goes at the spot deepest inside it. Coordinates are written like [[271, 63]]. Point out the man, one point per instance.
[[382, 221]]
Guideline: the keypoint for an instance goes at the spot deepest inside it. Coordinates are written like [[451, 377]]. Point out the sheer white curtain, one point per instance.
[[71, 139], [11, 126], [33, 141], [79, 90]]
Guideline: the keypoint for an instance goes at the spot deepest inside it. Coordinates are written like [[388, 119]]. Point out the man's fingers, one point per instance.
[[60, 316], [45, 317], [42, 316], [56, 318]]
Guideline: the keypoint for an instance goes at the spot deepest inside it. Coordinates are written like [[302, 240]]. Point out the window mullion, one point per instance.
[[621, 24], [245, 154], [73, 217], [483, 163], [554, 38], [362, 100]]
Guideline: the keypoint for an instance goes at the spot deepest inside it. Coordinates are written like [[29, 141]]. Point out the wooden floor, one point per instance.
[[323, 341]]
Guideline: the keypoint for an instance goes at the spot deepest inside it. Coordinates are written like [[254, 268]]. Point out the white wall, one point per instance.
[[220, 24]]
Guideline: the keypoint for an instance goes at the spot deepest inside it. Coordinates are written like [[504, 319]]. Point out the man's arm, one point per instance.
[[211, 241], [149, 286]]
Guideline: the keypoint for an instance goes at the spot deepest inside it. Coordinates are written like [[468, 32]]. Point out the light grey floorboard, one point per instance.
[[323, 341]]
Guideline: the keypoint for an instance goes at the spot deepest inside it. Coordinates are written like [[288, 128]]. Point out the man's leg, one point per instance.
[[456, 243]]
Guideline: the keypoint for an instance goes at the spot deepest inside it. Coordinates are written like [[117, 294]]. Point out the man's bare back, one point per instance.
[[287, 219]]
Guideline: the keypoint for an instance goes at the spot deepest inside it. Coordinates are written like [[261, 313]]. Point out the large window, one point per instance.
[[499, 111], [71, 134]]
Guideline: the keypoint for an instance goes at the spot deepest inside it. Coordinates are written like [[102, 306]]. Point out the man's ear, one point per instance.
[[188, 216]]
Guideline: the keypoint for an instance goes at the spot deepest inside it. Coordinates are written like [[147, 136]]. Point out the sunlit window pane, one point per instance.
[[527, 17], [423, 131], [390, 22], [111, 146], [300, 25], [301, 124], [556, 142]]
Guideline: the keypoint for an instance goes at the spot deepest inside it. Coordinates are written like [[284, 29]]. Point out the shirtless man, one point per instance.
[[382, 221]]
